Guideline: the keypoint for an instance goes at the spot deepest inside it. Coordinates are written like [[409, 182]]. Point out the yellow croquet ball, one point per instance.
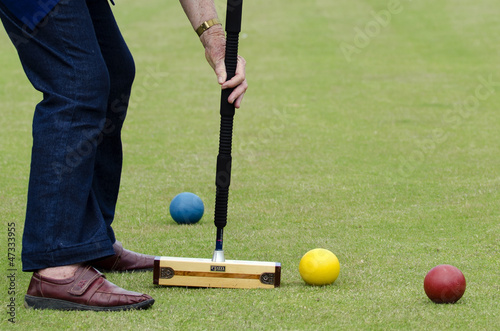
[[319, 266]]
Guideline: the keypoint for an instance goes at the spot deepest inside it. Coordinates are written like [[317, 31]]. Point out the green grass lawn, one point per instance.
[[373, 136]]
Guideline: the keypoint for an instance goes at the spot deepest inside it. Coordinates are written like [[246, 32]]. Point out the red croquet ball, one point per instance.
[[444, 284]]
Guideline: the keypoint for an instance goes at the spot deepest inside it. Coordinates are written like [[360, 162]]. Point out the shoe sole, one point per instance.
[[56, 304], [109, 271]]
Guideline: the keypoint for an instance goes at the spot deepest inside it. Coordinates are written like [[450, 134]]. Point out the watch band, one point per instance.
[[206, 25]]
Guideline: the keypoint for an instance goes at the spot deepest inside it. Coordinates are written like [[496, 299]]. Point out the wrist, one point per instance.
[[213, 35]]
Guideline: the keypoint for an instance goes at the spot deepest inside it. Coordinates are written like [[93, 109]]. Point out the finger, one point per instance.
[[237, 102], [239, 76], [233, 82], [237, 95]]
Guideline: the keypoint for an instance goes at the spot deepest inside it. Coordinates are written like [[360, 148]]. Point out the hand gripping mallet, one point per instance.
[[219, 272]]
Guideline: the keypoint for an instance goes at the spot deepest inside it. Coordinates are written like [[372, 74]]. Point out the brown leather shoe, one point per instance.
[[124, 260], [88, 289]]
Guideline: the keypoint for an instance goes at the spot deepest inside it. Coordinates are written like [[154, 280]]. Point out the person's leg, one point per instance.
[[64, 223], [121, 68], [62, 59], [108, 162]]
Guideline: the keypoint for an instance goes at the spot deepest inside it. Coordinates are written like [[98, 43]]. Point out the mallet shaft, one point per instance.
[[227, 110]]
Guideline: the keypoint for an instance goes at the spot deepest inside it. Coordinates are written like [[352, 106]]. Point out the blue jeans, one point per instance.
[[78, 59]]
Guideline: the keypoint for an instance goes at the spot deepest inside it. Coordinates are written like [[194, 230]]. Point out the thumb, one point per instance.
[[220, 71]]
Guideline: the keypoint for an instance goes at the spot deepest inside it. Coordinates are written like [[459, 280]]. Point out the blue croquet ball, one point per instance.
[[186, 208]]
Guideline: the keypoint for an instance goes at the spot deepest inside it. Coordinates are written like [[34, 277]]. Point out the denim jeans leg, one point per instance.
[[121, 69], [63, 59]]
